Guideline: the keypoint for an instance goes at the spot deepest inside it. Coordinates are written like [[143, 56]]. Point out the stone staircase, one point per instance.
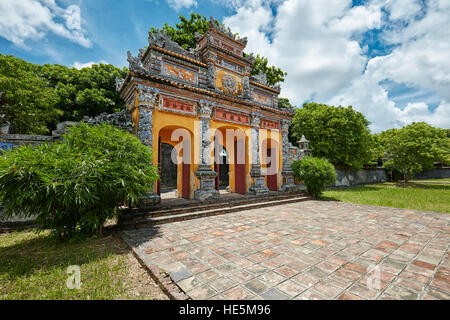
[[135, 218]]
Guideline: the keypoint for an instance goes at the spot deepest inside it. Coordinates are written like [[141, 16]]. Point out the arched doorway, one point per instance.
[[269, 152], [168, 169], [222, 167], [174, 160], [232, 142]]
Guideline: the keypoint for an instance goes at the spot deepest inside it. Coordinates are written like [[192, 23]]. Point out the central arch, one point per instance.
[[234, 141]]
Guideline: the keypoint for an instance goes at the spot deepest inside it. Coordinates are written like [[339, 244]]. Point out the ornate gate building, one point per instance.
[[220, 126]]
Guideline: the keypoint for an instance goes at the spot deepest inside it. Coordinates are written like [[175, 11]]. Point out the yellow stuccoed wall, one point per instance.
[[164, 123], [219, 125], [274, 135]]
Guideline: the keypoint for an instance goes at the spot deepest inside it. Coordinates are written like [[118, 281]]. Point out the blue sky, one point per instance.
[[384, 57]]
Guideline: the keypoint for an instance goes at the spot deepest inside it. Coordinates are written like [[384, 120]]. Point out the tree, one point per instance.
[[184, 35], [414, 148], [37, 97], [77, 184], [338, 134], [317, 173], [273, 74], [28, 103], [86, 92]]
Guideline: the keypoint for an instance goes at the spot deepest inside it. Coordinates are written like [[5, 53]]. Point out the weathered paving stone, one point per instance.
[[274, 294], [305, 280], [227, 268], [401, 293], [348, 296], [363, 291], [309, 250], [208, 276], [180, 275], [222, 284], [316, 273], [271, 278], [188, 283], [291, 288], [238, 293], [256, 285], [202, 293], [257, 269], [327, 290]]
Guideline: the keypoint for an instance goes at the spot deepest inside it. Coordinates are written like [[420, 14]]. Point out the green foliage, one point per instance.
[[273, 74], [414, 148], [86, 92], [284, 103], [317, 173], [78, 183], [339, 134], [184, 34], [37, 97], [27, 101]]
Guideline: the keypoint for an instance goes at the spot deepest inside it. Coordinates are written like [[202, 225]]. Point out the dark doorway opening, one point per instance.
[[272, 164], [168, 168], [222, 167]]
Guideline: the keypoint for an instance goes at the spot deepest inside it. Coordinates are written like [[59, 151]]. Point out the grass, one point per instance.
[[429, 197], [440, 179], [35, 267]]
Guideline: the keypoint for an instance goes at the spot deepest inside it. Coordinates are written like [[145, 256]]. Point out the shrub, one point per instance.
[[315, 172], [76, 184]]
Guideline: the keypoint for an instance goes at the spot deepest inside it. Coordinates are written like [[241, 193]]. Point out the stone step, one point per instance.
[[140, 222], [201, 206]]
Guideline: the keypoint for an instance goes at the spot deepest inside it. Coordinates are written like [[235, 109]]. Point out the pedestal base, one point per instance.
[[258, 186], [210, 194], [288, 181], [206, 186], [148, 201]]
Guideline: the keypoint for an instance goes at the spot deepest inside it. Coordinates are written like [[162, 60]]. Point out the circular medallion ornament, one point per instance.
[[229, 84]]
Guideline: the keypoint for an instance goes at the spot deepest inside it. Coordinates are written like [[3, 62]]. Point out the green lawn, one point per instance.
[[34, 267], [430, 197], [441, 179]]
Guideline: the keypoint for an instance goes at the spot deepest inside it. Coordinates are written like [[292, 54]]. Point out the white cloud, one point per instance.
[[314, 41], [179, 4], [402, 9], [81, 65], [25, 20]]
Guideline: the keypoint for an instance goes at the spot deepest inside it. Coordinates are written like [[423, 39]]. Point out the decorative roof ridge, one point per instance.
[[161, 39], [177, 55], [226, 31], [275, 88], [250, 60], [212, 93], [261, 80]]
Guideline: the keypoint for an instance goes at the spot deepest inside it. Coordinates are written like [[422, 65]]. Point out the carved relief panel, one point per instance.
[[179, 73], [230, 116], [262, 98], [228, 82], [176, 105], [270, 124]]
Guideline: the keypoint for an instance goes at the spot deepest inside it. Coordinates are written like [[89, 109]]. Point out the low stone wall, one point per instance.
[[16, 140], [348, 178], [434, 174]]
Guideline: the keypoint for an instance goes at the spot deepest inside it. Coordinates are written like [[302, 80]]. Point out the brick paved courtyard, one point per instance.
[[305, 250]]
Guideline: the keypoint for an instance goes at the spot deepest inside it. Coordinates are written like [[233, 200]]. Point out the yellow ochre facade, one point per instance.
[[210, 124]]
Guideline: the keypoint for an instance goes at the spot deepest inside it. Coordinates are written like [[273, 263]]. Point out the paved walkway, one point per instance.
[[306, 250]]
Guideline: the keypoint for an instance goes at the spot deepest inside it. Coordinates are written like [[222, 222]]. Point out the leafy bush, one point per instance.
[[76, 184], [315, 172], [338, 134]]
